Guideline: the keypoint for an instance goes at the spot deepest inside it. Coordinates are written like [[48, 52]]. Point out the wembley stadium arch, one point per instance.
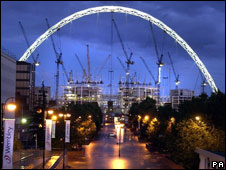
[[125, 10]]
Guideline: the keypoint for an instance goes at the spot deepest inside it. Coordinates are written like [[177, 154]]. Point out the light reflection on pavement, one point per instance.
[[103, 153]]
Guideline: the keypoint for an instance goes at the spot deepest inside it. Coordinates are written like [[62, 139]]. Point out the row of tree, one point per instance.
[[85, 121], [199, 123]]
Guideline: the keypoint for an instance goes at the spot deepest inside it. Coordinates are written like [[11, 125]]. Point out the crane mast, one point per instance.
[[88, 59], [58, 62], [128, 62], [177, 81], [203, 84], [159, 63], [120, 39]]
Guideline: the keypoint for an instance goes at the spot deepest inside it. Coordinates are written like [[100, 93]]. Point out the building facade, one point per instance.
[[177, 96], [81, 94], [8, 78], [24, 90], [38, 97], [128, 96]]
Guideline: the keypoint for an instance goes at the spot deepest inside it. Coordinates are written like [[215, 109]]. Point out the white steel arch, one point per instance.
[[125, 10]]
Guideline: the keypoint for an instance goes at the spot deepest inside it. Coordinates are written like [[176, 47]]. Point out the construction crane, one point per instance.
[[62, 64], [148, 69], [133, 81], [58, 62], [128, 59], [124, 68], [88, 59], [83, 69], [102, 67], [177, 81], [203, 84], [34, 65], [159, 63]]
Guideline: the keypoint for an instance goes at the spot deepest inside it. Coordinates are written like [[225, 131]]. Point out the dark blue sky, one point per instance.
[[200, 24]]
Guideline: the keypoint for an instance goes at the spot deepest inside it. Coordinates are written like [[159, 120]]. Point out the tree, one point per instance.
[[146, 107], [192, 134], [86, 130]]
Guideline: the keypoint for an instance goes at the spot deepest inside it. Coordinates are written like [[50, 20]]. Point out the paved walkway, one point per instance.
[[104, 154]]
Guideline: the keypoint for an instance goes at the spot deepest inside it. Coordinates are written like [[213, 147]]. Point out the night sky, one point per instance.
[[200, 24]]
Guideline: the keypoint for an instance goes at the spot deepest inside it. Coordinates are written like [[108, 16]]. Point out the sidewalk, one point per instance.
[[33, 159]]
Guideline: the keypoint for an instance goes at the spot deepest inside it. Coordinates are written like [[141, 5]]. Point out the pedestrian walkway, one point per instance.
[[33, 159]]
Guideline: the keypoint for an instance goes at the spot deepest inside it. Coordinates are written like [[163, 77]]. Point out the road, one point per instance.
[[103, 153]]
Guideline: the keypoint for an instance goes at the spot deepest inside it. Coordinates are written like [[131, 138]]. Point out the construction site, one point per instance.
[[90, 87], [130, 89]]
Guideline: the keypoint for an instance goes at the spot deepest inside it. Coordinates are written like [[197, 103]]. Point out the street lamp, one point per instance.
[[50, 112], [23, 120], [64, 115], [39, 111], [10, 107], [172, 120], [119, 140], [155, 119], [146, 118], [197, 118], [54, 117], [68, 115], [118, 127]]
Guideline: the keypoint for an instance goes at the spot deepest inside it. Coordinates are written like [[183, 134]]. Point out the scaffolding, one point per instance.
[[81, 93], [137, 93]]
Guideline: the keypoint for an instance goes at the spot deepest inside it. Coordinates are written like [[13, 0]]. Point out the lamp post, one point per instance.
[[146, 118], [119, 140], [64, 115], [45, 115], [11, 107], [197, 118]]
